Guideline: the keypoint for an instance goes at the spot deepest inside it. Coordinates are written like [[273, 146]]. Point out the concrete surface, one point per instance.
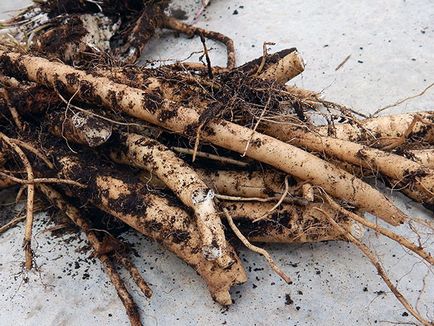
[[391, 44]]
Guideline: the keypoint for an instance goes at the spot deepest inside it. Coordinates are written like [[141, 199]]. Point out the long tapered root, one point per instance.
[[408, 173], [380, 270], [417, 249], [75, 216], [256, 249], [290, 223], [148, 154], [30, 200], [384, 131], [135, 274]]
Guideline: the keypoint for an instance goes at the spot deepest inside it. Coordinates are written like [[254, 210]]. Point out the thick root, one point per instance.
[[149, 106], [284, 69], [80, 127], [259, 184], [423, 156], [409, 174], [146, 153], [159, 219], [289, 223], [383, 131], [305, 166]]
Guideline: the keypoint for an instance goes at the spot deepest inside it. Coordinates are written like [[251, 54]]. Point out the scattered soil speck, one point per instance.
[[288, 300]]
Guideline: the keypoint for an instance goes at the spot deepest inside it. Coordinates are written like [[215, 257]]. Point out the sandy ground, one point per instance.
[[391, 44]]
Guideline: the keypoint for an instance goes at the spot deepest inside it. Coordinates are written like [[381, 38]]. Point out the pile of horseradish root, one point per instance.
[[189, 154]]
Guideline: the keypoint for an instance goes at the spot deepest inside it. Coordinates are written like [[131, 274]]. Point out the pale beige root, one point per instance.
[[149, 154], [145, 153], [383, 131], [409, 174], [156, 217], [83, 128], [16, 180], [353, 169], [423, 156], [135, 274], [289, 223], [308, 192], [27, 242], [417, 249], [218, 280], [226, 160], [284, 69], [255, 184], [176, 25], [73, 213], [148, 105], [15, 221], [254, 248], [260, 184], [303, 94], [305, 166], [305, 97], [139, 76], [380, 270]]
